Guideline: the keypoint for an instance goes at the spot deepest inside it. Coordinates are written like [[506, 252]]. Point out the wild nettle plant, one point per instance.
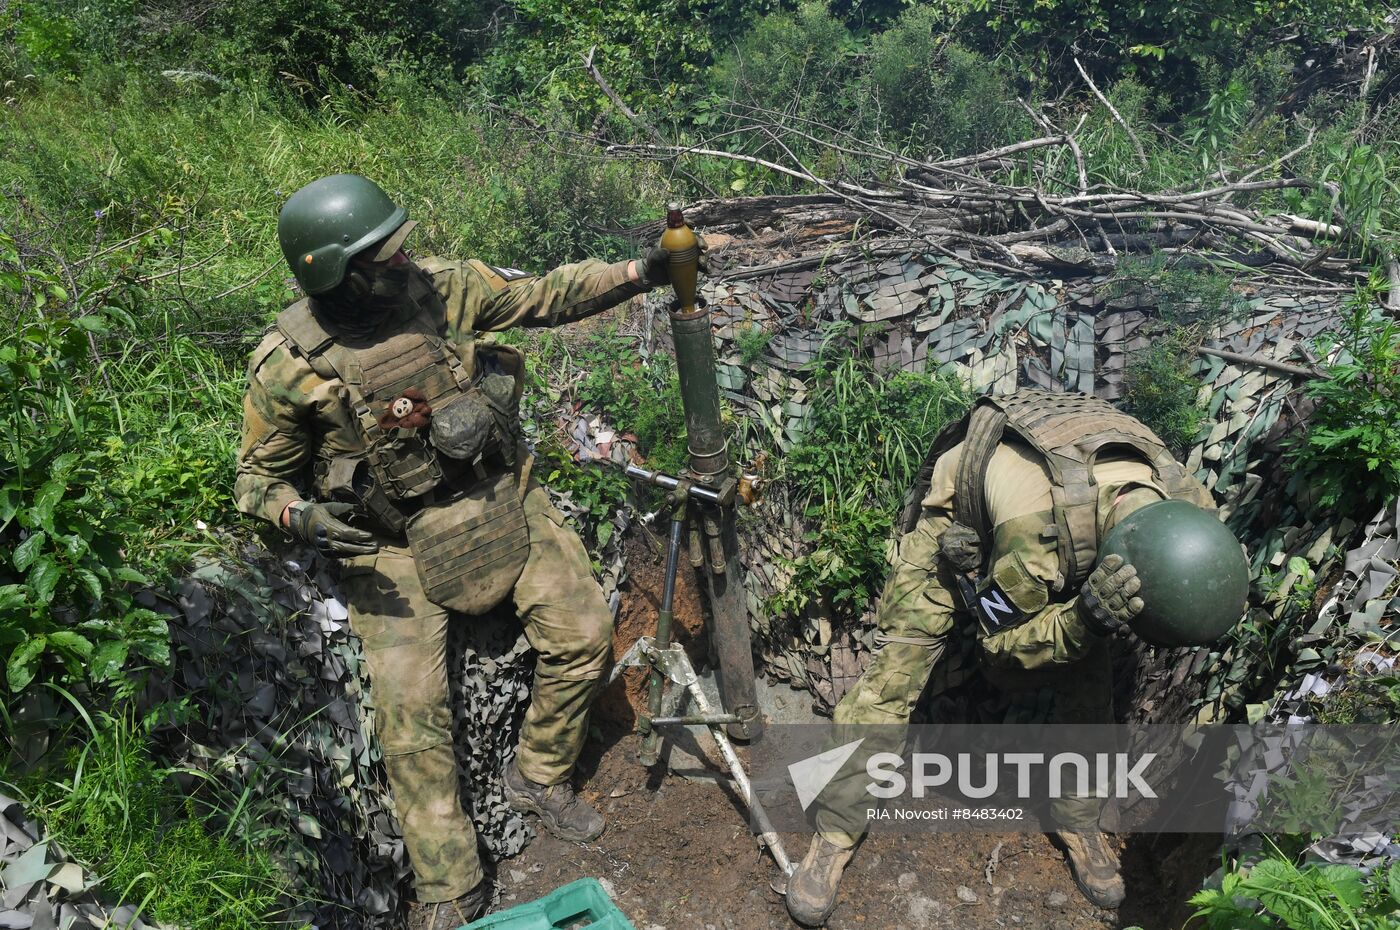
[[66, 611]]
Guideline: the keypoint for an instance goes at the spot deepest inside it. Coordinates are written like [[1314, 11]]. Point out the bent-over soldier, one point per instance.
[[1051, 521]]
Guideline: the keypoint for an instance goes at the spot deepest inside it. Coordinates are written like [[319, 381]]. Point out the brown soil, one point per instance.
[[678, 855], [645, 553]]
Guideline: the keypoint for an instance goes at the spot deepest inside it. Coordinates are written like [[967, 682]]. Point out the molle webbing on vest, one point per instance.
[[401, 461], [307, 336]]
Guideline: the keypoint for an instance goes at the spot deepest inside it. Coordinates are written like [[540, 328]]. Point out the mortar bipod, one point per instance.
[[669, 665]]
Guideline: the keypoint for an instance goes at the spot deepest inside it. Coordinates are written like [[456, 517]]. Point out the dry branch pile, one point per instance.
[[1029, 208]]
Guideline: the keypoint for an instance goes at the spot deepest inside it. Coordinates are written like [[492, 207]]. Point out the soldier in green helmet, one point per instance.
[[380, 428], [1050, 521]]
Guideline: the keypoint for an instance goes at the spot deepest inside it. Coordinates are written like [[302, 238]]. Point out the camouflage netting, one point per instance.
[[283, 706], [923, 312]]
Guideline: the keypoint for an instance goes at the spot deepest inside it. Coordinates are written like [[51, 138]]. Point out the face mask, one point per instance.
[[360, 304]]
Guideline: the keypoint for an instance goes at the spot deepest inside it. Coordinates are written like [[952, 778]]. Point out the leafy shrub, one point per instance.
[[1159, 39], [800, 62], [1160, 390], [939, 95], [864, 440], [648, 52], [66, 614], [640, 398], [1275, 894], [609, 379], [1159, 387], [1351, 451]]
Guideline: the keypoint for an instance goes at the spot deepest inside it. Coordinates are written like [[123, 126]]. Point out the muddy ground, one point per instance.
[[678, 854]]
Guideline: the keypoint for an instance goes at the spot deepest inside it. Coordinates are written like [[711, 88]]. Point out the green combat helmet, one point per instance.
[[1194, 577], [327, 222]]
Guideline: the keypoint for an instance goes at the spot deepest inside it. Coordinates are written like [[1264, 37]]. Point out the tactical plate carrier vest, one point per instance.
[[1069, 431], [463, 519]]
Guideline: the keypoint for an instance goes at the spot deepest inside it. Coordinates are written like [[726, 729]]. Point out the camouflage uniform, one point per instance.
[[296, 419], [1050, 649]]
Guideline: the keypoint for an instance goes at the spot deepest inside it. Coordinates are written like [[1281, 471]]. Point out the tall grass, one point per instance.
[[112, 809], [865, 436]]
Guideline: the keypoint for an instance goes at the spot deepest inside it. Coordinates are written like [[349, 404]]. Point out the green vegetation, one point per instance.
[[1161, 391], [138, 265], [115, 810], [1351, 451], [602, 370], [866, 436], [752, 342], [1275, 893], [66, 614], [1160, 387]]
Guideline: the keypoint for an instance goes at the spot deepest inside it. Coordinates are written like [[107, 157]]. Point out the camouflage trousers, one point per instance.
[[915, 617], [566, 621]]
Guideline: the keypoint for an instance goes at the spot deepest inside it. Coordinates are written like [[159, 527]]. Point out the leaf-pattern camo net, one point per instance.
[[283, 705]]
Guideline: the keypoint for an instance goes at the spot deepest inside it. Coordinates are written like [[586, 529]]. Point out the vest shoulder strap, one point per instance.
[[948, 437], [308, 337]]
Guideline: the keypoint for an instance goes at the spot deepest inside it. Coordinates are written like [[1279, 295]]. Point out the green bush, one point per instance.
[[1351, 450], [1163, 41], [66, 614], [1275, 894], [865, 437], [1159, 387], [648, 52], [1160, 390], [802, 63], [940, 96]]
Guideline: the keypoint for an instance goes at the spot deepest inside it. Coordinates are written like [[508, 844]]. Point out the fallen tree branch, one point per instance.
[[1296, 371], [1113, 111]]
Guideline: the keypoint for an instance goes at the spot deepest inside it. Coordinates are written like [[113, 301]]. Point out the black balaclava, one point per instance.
[[360, 304]]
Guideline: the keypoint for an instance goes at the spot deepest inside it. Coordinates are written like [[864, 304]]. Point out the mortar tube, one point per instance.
[[695, 369], [709, 462]]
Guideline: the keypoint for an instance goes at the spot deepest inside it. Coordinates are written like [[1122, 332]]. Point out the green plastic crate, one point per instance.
[[575, 906]]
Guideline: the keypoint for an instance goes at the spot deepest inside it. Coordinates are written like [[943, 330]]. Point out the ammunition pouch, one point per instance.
[[483, 420], [346, 478], [470, 551]]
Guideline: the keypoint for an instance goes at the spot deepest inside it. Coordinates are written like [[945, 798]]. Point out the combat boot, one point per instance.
[[811, 889], [449, 915], [1094, 863], [564, 814]]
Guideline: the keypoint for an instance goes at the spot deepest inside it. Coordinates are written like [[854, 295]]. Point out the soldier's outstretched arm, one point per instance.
[[275, 447], [564, 295]]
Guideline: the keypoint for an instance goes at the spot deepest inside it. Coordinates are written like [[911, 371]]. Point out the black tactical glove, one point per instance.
[[656, 264], [321, 526], [1108, 602]]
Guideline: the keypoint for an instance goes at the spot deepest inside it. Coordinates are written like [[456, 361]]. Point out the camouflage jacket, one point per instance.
[[1023, 568], [292, 415]]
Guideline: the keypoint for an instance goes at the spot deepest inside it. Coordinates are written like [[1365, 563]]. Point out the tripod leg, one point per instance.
[[741, 778], [650, 750]]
